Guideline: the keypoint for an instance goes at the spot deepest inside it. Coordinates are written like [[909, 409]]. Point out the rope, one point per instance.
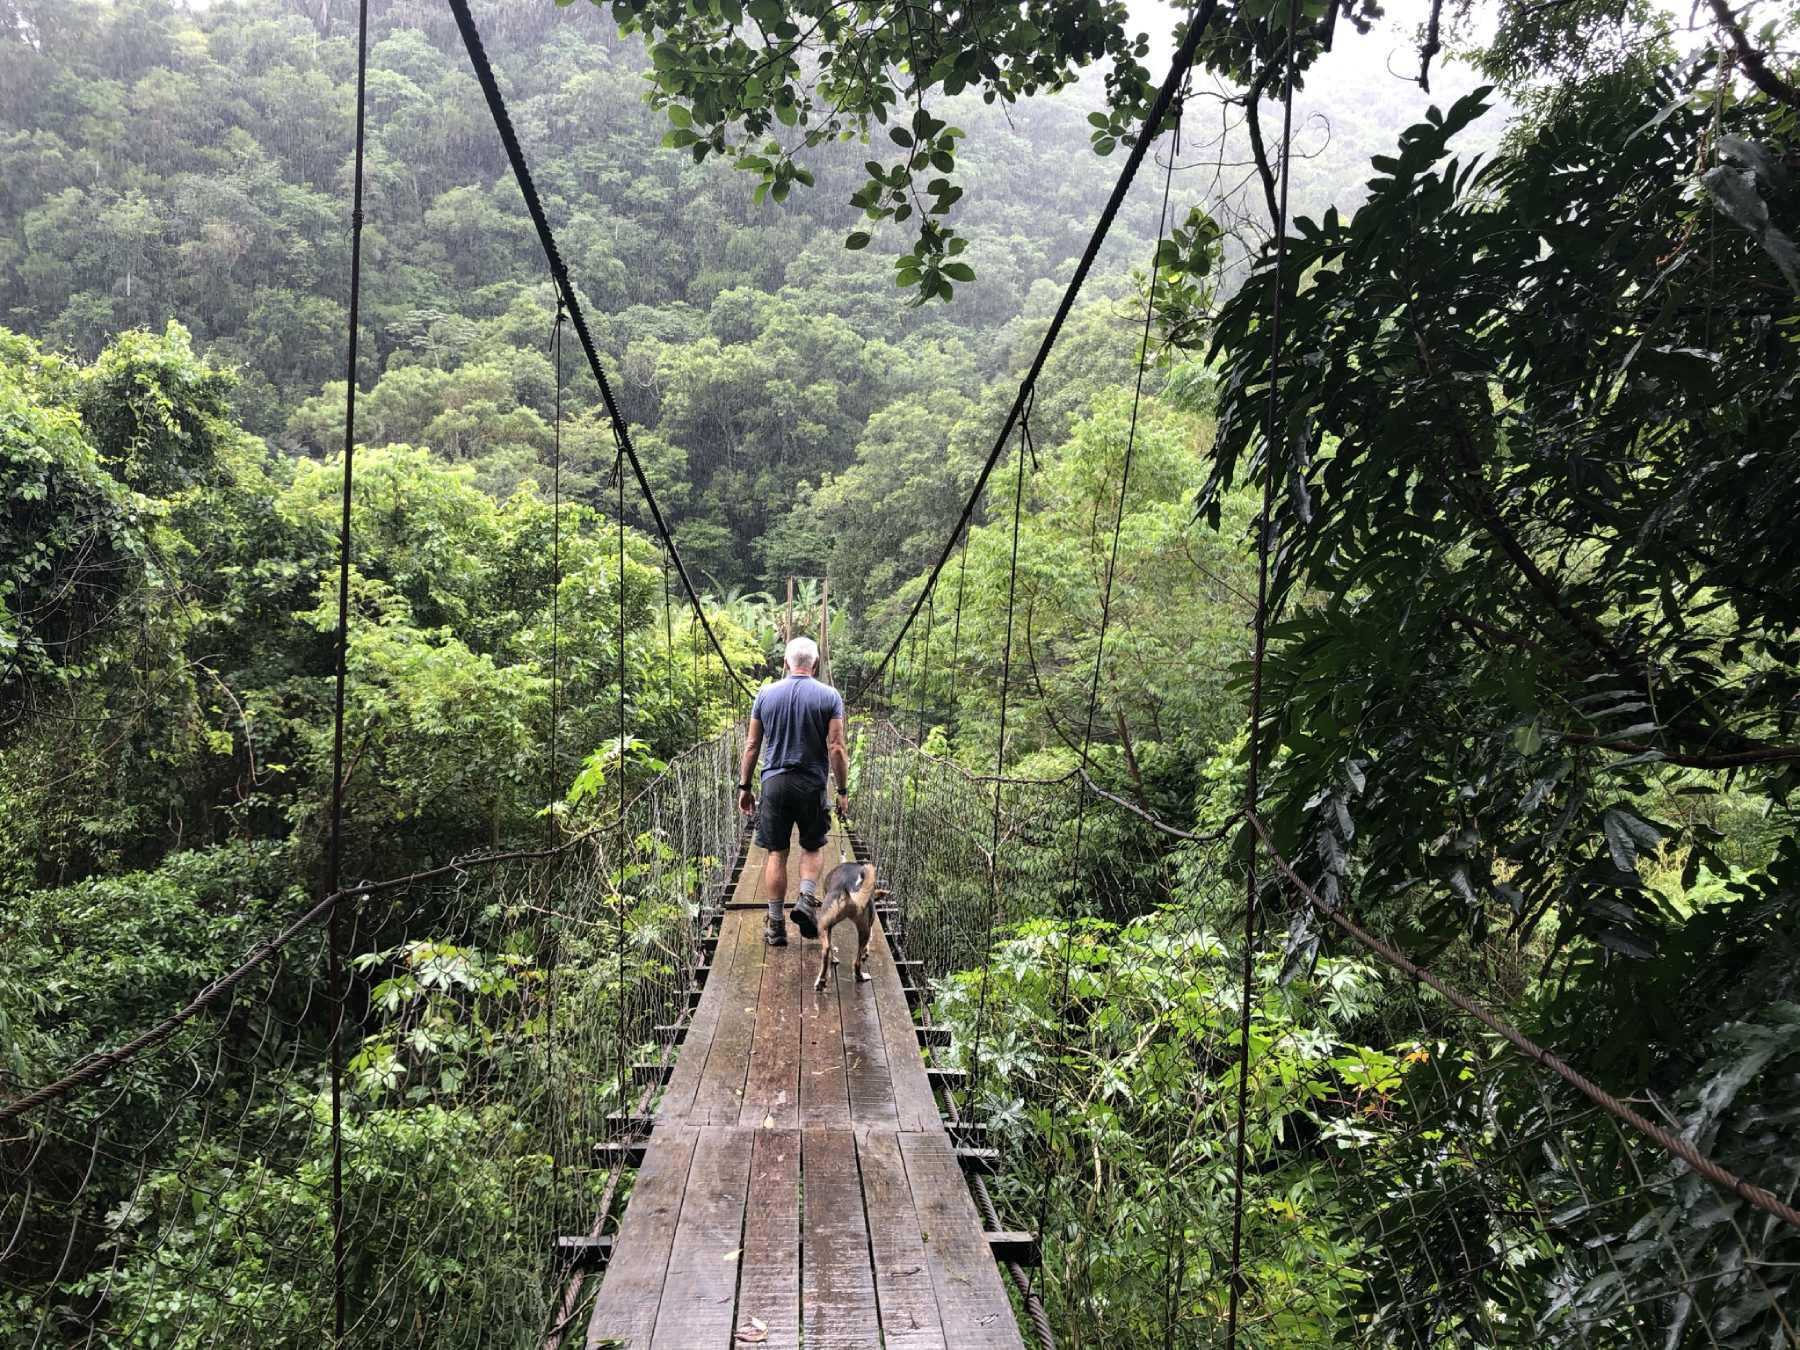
[[1669, 1143], [490, 88], [668, 621], [1153, 120], [910, 801], [334, 867], [1252, 783], [925, 674], [555, 783], [98, 1067]]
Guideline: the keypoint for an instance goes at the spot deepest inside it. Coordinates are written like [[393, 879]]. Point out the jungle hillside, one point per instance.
[[1331, 743]]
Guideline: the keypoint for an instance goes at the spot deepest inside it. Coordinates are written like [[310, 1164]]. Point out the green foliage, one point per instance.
[[122, 951], [72, 546], [1133, 1124], [240, 1247], [90, 584], [157, 414], [1175, 616], [1536, 630], [1532, 680], [774, 93], [172, 657], [747, 348], [1552, 549], [442, 1009]]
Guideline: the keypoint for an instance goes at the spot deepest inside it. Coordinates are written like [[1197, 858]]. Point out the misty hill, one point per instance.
[[167, 162]]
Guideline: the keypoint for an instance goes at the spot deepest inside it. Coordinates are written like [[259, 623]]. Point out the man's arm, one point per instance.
[[747, 767], [839, 755]]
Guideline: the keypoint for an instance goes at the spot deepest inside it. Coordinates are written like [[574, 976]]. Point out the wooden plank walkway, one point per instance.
[[798, 1186]]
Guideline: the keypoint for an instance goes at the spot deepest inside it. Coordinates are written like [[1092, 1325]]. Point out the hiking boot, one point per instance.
[[775, 932], [804, 918]]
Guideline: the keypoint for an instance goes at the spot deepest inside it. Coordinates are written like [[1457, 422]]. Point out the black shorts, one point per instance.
[[788, 801]]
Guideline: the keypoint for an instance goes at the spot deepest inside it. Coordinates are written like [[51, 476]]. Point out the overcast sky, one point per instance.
[[1386, 56]]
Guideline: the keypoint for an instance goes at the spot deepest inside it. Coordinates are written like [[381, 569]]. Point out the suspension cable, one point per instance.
[[925, 675], [1112, 564], [334, 867], [1012, 586], [962, 573], [490, 88], [1153, 120], [1259, 648], [555, 783], [619, 770], [553, 818]]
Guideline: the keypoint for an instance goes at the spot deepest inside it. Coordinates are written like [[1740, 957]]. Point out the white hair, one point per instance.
[[802, 654]]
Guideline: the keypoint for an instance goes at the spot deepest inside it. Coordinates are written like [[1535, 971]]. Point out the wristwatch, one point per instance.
[[743, 787]]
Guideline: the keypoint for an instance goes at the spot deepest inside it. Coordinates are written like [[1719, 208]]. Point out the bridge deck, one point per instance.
[[799, 1181]]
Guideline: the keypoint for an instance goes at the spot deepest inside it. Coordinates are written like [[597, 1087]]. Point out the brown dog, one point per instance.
[[849, 894]]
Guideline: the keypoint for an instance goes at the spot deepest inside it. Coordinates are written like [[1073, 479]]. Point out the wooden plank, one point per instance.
[[865, 1047], [916, 1108], [699, 1298], [769, 1287], [904, 1293], [632, 1288], [970, 1294], [772, 1085], [837, 1287], [720, 1095], [824, 1086], [690, 1062], [747, 894]]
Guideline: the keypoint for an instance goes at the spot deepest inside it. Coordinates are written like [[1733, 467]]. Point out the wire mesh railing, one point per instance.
[[1412, 1177], [494, 1011]]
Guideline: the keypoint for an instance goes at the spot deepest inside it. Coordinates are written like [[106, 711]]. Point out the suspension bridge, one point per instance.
[[797, 1130], [588, 1107]]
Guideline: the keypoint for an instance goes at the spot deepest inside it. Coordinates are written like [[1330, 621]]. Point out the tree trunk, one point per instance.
[[1131, 764]]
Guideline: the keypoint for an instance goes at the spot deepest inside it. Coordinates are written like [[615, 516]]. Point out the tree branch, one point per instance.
[[1253, 124], [1772, 84], [1736, 759], [1432, 46]]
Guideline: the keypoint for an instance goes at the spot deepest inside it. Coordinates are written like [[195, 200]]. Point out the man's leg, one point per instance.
[[814, 827], [772, 829], [775, 882], [812, 863]]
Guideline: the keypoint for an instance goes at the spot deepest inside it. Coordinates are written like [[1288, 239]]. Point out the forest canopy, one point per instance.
[[1473, 472]]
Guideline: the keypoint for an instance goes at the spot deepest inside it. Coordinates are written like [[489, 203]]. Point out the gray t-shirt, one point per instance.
[[796, 713]]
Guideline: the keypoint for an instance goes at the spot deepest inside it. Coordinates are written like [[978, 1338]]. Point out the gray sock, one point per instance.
[[809, 889], [775, 912]]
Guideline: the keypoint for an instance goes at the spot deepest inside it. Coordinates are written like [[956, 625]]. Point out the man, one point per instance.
[[801, 722]]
